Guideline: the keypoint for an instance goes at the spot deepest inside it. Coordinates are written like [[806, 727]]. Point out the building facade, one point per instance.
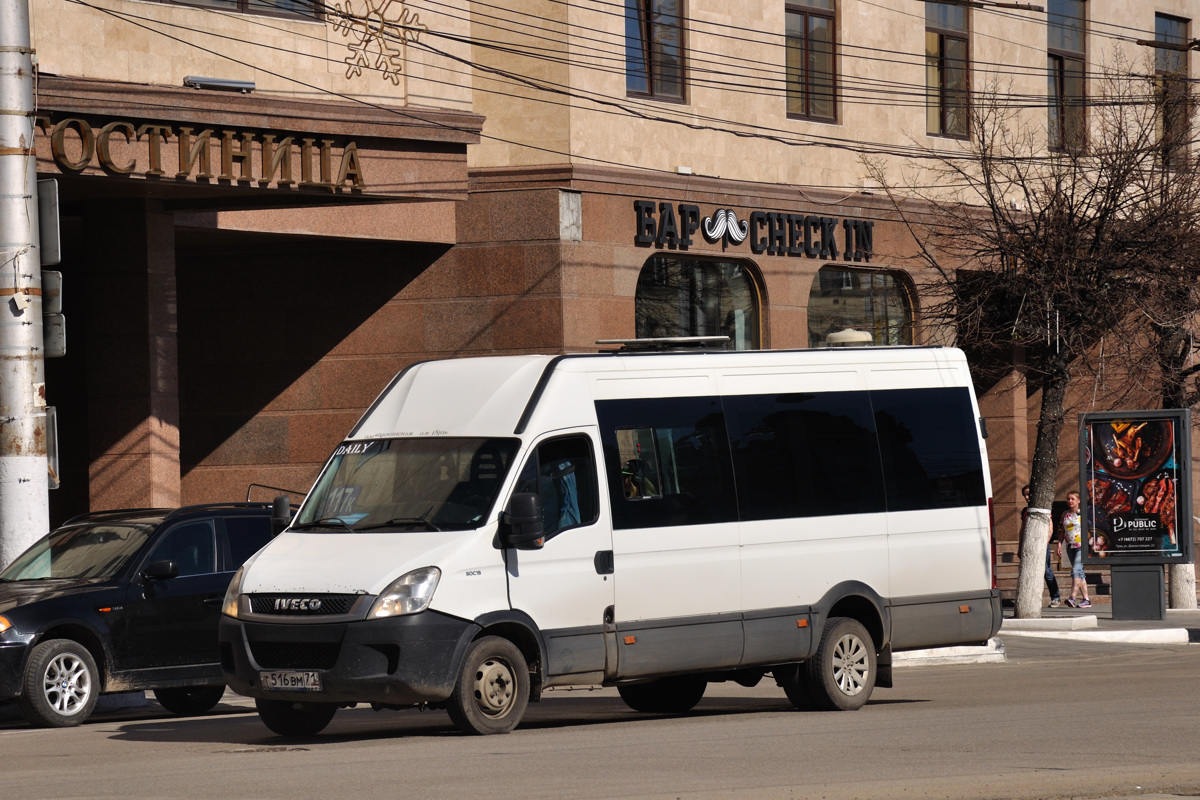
[[412, 180]]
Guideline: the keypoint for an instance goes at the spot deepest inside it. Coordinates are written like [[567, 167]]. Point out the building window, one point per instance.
[[1066, 67], [1171, 88], [871, 301], [811, 79], [654, 48], [285, 8], [946, 69], [692, 297]]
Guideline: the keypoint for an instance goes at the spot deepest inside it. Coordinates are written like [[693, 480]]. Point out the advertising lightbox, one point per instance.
[[1135, 471]]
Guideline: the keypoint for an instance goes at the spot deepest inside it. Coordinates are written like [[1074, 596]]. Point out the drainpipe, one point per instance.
[[24, 499]]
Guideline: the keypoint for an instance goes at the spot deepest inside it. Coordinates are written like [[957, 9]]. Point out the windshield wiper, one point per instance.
[[401, 521], [326, 522]]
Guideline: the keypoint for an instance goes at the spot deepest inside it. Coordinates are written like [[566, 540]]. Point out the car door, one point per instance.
[[567, 585], [172, 622]]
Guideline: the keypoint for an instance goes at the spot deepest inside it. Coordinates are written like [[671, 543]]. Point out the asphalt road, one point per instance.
[[1058, 719]]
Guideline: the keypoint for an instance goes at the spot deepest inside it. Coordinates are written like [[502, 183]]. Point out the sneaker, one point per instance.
[[1085, 603], [1055, 603], [1071, 602]]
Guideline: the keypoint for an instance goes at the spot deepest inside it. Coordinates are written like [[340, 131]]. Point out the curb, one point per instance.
[[990, 653], [1151, 636], [1082, 622]]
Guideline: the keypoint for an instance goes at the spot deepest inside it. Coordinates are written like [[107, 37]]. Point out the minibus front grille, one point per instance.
[[302, 605], [295, 655]]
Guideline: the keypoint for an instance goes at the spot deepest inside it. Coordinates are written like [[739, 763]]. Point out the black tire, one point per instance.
[[60, 686], [795, 682], [295, 720], [188, 701], [841, 676], [492, 690], [674, 695]]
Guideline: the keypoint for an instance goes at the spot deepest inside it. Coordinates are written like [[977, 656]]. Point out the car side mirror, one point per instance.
[[524, 529], [281, 514], [160, 570]]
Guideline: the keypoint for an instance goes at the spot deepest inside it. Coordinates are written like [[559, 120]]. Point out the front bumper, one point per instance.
[[396, 661], [13, 651]]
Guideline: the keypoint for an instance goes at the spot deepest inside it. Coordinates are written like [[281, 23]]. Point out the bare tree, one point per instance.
[[1045, 252]]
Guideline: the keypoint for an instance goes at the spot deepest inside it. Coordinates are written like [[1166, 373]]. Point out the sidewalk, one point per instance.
[[1096, 624]]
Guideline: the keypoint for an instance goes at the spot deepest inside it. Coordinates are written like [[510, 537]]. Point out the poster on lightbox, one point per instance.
[[1136, 478]]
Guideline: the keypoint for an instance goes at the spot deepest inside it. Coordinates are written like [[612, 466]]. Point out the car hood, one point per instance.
[[14, 594], [349, 563]]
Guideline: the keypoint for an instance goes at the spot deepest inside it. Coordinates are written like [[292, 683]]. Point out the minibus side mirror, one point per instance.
[[281, 514], [523, 522]]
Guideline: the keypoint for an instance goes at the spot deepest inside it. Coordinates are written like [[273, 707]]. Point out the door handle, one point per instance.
[[604, 562]]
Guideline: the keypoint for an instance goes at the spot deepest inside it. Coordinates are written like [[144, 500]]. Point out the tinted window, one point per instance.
[[804, 455], [246, 536], [929, 445], [563, 473], [679, 451], [192, 545], [81, 551]]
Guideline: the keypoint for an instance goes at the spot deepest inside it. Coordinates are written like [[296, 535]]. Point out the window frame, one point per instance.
[[803, 86], [942, 93], [646, 9], [588, 495], [661, 263], [251, 7], [1057, 58], [1167, 81], [826, 284]]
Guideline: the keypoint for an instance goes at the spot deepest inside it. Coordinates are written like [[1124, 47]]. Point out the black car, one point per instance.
[[121, 601]]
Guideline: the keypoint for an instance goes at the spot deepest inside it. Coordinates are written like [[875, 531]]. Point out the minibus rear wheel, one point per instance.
[[841, 676], [492, 689]]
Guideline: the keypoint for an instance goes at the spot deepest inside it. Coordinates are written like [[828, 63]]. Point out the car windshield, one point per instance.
[[94, 550], [410, 484]]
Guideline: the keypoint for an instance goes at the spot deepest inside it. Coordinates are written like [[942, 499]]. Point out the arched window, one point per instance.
[[876, 302], [694, 297]]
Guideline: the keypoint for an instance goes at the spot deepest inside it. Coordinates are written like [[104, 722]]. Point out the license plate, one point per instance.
[[291, 681]]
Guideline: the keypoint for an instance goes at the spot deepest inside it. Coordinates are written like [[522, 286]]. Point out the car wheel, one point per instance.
[[188, 701], [841, 676], [61, 684], [492, 688], [673, 695], [295, 720]]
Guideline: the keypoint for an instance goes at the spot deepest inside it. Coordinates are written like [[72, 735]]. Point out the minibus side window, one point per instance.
[[684, 461], [930, 448], [562, 472], [804, 455]]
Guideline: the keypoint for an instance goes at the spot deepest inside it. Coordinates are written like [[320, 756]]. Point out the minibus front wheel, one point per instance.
[[492, 688]]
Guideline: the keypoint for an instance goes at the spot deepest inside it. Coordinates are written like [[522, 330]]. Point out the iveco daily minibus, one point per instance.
[[653, 521]]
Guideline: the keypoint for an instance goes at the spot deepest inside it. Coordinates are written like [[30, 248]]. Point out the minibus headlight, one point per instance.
[[408, 594], [229, 606]]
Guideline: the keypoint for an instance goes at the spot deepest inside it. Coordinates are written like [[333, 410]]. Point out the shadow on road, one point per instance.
[[247, 733]]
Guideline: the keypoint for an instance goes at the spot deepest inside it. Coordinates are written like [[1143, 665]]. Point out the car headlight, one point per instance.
[[4, 624], [229, 606], [408, 594]]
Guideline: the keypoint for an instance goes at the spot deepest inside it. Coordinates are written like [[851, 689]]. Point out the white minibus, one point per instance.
[[653, 521]]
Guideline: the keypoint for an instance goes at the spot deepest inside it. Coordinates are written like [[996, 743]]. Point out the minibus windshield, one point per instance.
[[410, 484]]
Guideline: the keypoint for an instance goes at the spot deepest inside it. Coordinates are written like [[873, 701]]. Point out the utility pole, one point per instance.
[[24, 502]]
